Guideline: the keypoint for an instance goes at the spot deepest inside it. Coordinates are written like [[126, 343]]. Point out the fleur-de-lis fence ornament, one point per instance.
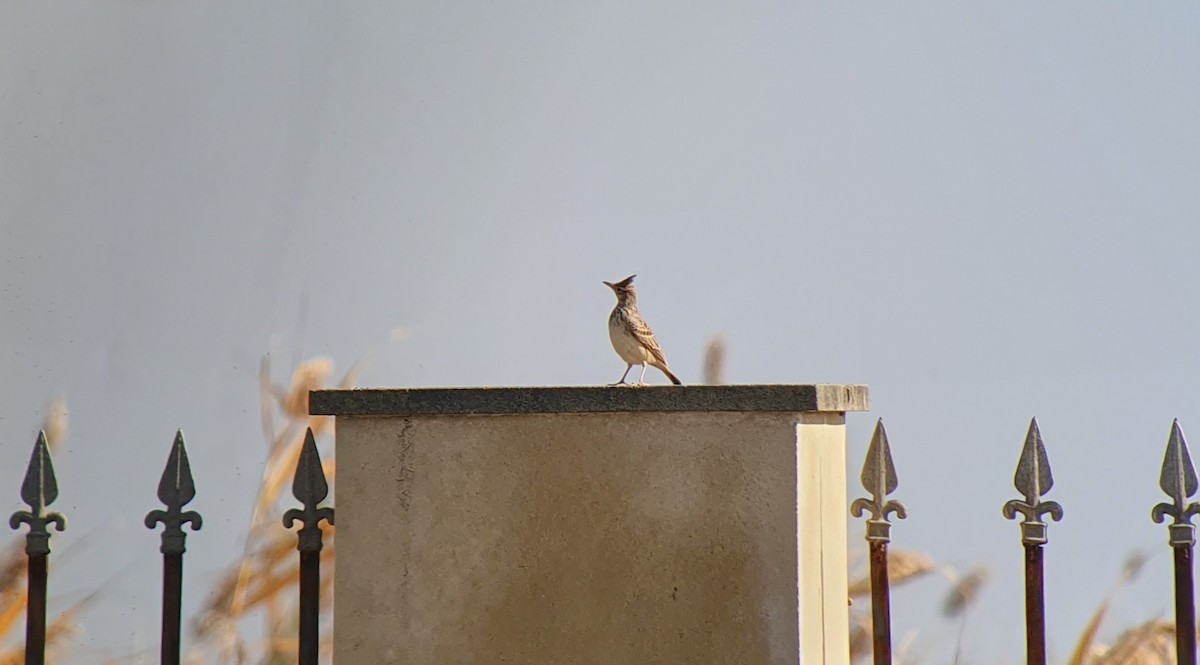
[[1178, 480], [310, 488], [1033, 479], [879, 478], [39, 490], [175, 490]]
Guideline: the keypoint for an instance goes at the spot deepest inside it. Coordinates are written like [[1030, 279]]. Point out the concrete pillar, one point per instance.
[[591, 526]]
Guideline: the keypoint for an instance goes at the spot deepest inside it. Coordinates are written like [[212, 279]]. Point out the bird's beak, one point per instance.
[[608, 284]]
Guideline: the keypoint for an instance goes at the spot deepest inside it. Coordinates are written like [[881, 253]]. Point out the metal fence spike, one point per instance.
[[310, 488], [39, 489], [1178, 480], [879, 478], [1033, 479], [176, 489], [1178, 477], [879, 471], [309, 485]]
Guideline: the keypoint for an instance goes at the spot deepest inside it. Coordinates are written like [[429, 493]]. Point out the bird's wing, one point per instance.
[[644, 336]]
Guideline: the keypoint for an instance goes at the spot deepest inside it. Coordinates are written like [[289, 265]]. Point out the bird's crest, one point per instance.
[[623, 285]]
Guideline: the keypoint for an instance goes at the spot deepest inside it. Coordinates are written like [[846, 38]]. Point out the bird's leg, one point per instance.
[[642, 379], [628, 367]]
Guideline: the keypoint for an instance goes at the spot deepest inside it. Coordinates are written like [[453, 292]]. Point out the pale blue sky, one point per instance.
[[986, 211]]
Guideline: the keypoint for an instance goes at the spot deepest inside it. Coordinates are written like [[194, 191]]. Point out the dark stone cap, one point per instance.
[[587, 399]]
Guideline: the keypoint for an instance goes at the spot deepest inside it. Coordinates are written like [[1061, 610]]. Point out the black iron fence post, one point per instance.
[[310, 488], [1033, 479], [1179, 481], [175, 490], [879, 478], [39, 490]]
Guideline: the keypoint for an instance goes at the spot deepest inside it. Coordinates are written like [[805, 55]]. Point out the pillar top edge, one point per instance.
[[773, 398]]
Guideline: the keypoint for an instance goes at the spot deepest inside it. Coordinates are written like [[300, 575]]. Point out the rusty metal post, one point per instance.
[[310, 606], [1035, 606], [1033, 479], [35, 611], [310, 488], [1185, 607], [1178, 480], [175, 490], [172, 600], [879, 478], [881, 606], [39, 490]]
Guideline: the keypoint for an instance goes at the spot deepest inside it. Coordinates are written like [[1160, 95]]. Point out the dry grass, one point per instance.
[[261, 588], [904, 566], [1138, 645], [252, 614], [1152, 643], [965, 592]]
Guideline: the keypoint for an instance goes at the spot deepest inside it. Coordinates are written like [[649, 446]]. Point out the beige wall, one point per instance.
[[664, 538]]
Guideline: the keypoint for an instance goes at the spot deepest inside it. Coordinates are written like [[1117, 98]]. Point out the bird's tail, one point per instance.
[[674, 379]]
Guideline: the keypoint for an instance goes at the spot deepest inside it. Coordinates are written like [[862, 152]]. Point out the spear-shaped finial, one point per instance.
[[310, 488], [176, 490], [879, 478], [1178, 480], [1033, 479], [39, 490]]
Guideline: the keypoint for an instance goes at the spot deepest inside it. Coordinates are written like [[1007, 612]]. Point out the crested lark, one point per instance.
[[630, 335]]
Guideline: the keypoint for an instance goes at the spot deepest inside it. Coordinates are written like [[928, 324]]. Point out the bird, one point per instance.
[[631, 337]]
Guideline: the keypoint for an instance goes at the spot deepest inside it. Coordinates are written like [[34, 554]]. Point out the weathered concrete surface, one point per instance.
[[588, 399], [591, 538]]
